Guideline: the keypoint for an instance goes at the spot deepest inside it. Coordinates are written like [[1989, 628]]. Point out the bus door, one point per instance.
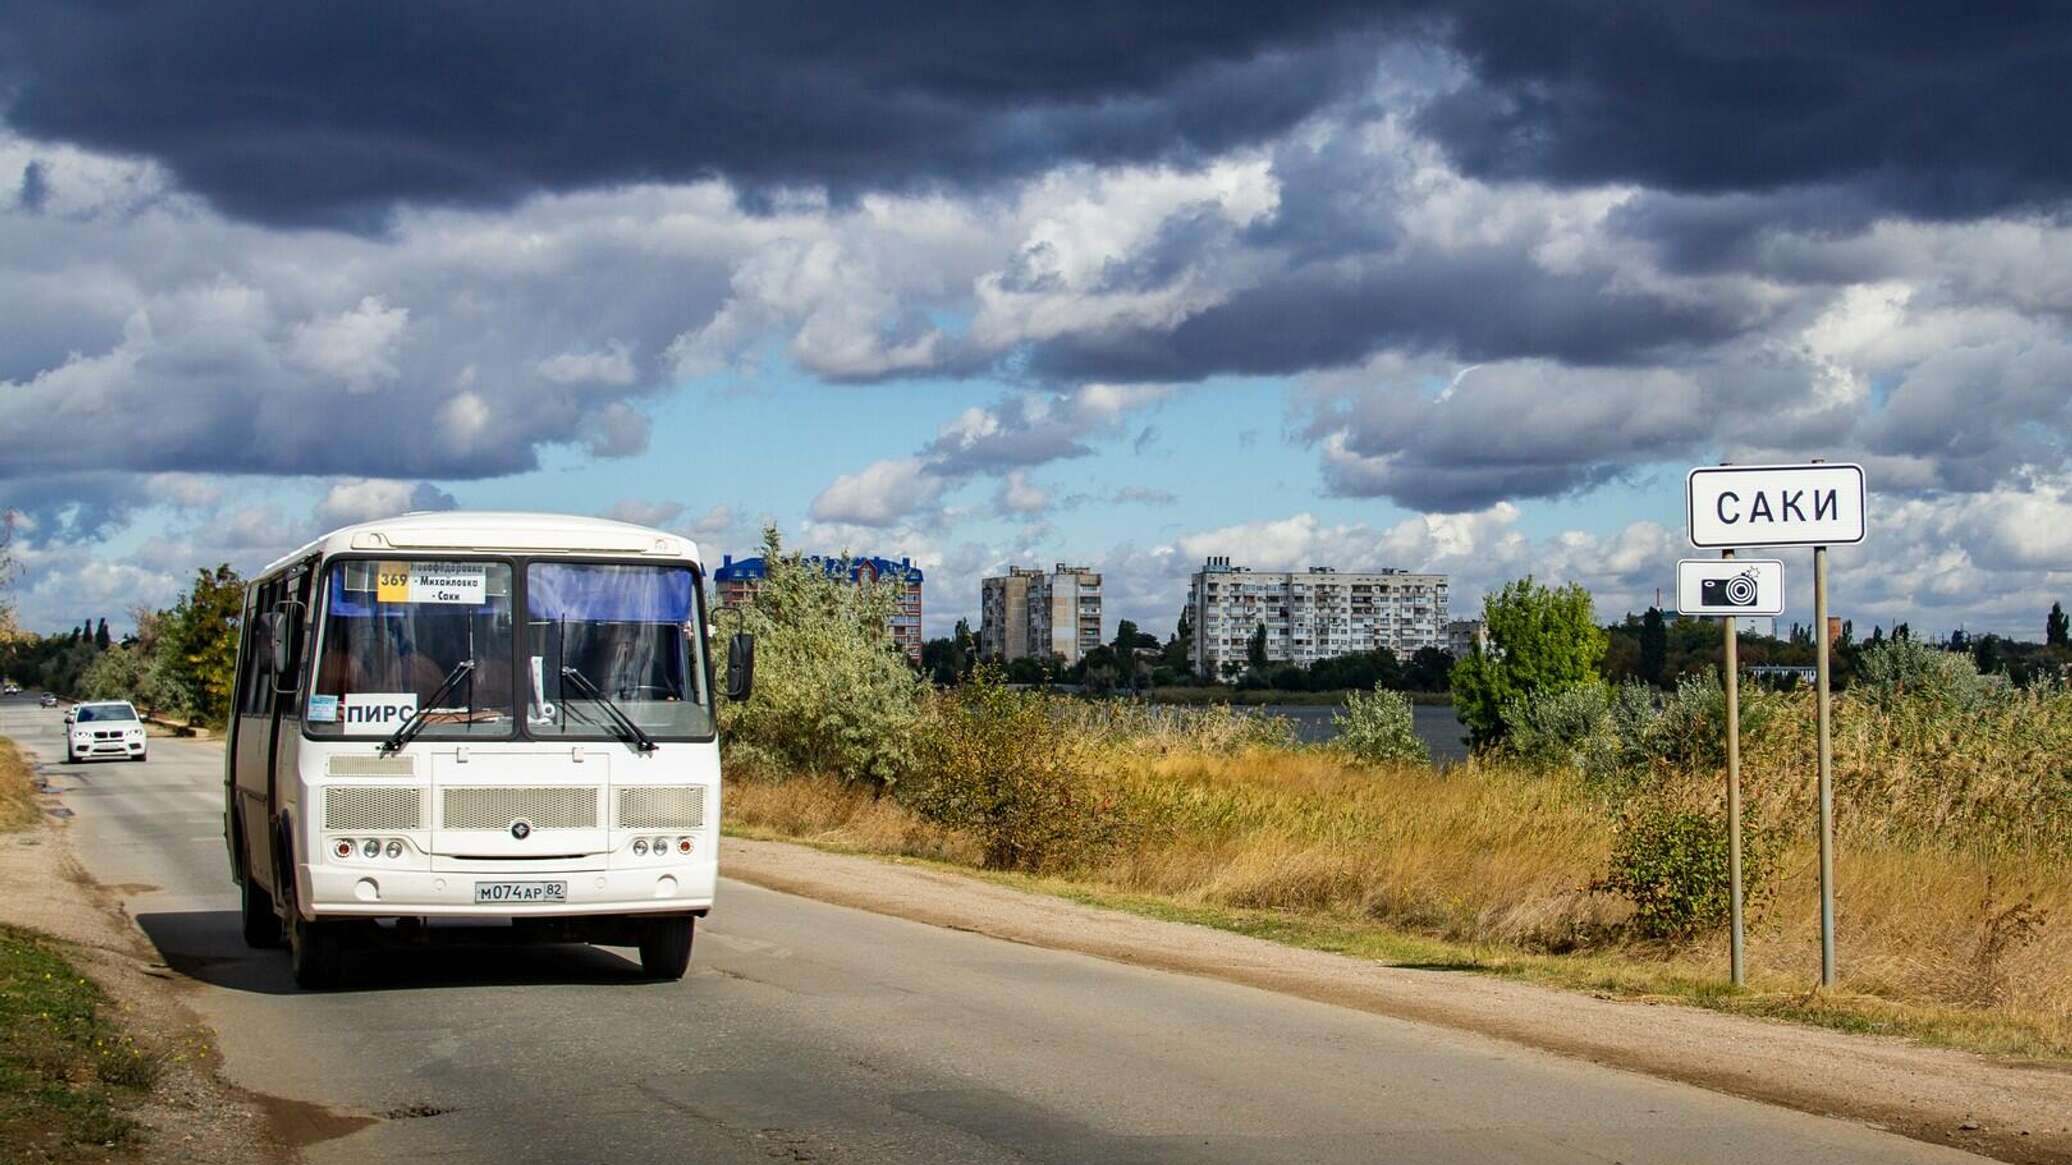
[[253, 739], [294, 605]]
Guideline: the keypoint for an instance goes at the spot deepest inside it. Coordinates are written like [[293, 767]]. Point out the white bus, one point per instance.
[[502, 718]]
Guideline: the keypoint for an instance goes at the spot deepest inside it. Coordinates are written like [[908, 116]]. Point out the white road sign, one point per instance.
[[1730, 586], [1775, 505]]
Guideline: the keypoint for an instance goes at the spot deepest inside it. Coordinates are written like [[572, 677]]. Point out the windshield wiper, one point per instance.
[[410, 728], [582, 684]]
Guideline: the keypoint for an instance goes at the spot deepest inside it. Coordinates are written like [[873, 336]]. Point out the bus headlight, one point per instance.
[[395, 850], [639, 847]]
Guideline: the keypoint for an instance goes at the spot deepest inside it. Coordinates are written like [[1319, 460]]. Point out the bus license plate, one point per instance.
[[521, 891]]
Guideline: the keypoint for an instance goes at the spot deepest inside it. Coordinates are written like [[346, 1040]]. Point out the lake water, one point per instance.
[[1436, 724]]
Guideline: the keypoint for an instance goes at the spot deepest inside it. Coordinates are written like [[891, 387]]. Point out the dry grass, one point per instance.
[[17, 790], [1490, 866]]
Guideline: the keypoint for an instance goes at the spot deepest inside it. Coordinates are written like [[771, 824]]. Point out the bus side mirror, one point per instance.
[[740, 665], [282, 625]]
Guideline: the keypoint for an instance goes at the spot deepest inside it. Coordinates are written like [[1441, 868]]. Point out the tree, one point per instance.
[[1654, 646], [201, 638], [1255, 649], [10, 631], [1181, 645], [1430, 670], [101, 639], [2056, 626], [963, 650], [1541, 640]]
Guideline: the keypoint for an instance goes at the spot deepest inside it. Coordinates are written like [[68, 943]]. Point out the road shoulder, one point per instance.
[[2015, 1111], [191, 1113]]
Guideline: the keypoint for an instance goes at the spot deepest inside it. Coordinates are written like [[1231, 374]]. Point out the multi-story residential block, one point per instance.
[[736, 583], [1029, 612], [1310, 615], [1465, 637]]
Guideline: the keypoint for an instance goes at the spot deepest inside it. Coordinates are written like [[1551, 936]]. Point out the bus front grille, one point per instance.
[[543, 806], [662, 807], [363, 808]]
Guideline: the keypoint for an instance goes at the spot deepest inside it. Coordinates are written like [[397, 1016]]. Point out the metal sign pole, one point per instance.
[[1827, 790], [1732, 628]]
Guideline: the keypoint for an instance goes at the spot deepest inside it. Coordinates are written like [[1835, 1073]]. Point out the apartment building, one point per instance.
[[736, 583], [1036, 613], [1466, 637], [1310, 615]]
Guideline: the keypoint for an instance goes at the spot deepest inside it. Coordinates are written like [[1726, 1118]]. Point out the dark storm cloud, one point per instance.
[[296, 114], [1489, 303], [1934, 110]]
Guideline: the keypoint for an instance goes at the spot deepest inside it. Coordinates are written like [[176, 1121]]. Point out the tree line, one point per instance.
[[178, 664]]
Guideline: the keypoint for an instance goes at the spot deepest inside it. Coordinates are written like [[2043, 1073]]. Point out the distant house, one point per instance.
[[736, 582]]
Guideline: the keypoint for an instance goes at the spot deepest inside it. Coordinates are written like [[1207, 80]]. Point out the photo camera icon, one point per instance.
[[1738, 591]]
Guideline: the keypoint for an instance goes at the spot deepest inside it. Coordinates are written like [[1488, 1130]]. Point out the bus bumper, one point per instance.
[[336, 892]]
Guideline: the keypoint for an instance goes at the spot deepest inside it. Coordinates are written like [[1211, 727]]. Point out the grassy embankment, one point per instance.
[[66, 1073], [1954, 868]]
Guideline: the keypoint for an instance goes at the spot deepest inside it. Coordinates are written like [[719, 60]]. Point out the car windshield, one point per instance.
[[91, 713], [394, 632], [612, 637]]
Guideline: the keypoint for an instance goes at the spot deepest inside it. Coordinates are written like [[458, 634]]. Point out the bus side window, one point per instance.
[[252, 687]]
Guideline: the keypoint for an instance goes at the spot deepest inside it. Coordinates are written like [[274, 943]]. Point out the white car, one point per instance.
[[109, 729]]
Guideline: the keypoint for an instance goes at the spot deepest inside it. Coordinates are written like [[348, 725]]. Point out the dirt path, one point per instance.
[[192, 1114], [2016, 1111]]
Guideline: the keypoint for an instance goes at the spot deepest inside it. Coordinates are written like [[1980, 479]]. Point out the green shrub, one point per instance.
[[1378, 727], [1903, 669], [1671, 863], [993, 762], [832, 693]]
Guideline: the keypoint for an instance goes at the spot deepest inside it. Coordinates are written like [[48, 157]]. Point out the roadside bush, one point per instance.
[[1670, 862], [1901, 669], [1565, 728], [991, 762], [1378, 728], [832, 693], [1605, 732]]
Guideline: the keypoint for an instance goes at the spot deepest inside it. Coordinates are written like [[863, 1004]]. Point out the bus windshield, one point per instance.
[[612, 640], [395, 631]]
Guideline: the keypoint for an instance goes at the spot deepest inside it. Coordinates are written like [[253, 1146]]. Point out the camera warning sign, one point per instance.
[[1729, 586]]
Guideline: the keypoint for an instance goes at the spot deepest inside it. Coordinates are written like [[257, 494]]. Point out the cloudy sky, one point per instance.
[[1462, 287]]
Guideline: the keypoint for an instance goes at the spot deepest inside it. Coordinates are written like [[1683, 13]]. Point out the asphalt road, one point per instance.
[[809, 1032]]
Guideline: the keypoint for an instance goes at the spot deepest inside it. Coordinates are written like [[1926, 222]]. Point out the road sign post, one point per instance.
[[1739, 506], [1821, 683], [1731, 627], [1726, 589]]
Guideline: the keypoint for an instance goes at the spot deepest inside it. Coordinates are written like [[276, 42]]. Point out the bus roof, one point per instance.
[[478, 531]]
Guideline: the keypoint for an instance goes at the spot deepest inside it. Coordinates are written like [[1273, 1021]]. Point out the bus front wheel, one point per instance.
[[665, 947]]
